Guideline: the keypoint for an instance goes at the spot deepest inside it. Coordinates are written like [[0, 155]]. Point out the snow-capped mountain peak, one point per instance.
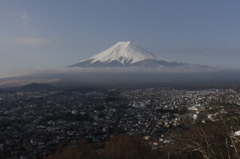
[[124, 54]]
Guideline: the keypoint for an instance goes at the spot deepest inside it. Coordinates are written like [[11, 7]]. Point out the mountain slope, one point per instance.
[[36, 87], [126, 54]]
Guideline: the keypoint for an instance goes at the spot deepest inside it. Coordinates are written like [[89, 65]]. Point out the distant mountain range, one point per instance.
[[36, 87], [126, 54]]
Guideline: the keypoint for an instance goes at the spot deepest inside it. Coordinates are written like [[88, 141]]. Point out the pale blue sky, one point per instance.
[[56, 33]]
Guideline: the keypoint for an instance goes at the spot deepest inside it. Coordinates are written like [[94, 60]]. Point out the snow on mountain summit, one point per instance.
[[125, 54]]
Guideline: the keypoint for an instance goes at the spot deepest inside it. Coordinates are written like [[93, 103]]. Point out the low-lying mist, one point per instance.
[[105, 77]]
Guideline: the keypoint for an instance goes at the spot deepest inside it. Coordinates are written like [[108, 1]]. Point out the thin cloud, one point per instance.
[[24, 16], [28, 41], [187, 50], [200, 51], [33, 42]]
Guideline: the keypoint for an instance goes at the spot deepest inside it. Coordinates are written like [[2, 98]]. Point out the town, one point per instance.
[[36, 123]]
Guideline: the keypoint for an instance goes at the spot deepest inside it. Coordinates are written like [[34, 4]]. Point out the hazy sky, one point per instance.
[[56, 33]]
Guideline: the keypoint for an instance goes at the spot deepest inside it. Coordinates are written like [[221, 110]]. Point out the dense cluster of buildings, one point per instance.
[[36, 123]]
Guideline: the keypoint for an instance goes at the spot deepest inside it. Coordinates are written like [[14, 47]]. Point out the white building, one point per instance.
[[139, 105]]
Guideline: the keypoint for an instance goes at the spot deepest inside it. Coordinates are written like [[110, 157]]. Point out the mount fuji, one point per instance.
[[126, 54], [126, 64]]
